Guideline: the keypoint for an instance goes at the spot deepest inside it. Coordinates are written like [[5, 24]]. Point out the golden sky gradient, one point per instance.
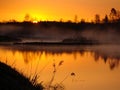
[[55, 9]]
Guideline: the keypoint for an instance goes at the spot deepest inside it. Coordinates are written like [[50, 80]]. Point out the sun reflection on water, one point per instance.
[[86, 66]]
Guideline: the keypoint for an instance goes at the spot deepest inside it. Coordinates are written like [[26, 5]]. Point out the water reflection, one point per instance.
[[87, 63], [112, 61], [109, 54]]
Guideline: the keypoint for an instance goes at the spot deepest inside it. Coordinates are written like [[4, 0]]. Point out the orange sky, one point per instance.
[[55, 9]]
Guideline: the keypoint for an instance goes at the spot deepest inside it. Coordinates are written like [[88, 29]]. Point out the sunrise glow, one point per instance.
[[35, 22], [55, 10]]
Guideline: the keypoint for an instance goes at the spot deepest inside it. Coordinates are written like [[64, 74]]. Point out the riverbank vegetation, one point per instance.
[[10, 79]]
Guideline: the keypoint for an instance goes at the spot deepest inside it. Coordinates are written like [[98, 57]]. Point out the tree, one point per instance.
[[82, 21], [76, 19], [114, 15], [106, 20], [97, 18], [27, 17]]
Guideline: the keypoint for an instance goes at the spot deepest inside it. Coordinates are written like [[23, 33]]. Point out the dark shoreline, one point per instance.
[[55, 43], [10, 79]]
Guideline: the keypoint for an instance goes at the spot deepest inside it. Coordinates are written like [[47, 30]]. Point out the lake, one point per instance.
[[73, 67]]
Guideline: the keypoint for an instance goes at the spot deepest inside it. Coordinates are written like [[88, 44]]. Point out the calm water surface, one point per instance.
[[77, 67]]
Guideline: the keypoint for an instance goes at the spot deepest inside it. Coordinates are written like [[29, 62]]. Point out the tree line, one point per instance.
[[113, 16]]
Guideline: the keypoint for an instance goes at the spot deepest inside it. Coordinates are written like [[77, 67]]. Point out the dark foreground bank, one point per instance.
[[10, 79]]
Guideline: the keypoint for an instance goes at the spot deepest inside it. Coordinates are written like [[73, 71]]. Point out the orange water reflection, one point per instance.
[[93, 71]]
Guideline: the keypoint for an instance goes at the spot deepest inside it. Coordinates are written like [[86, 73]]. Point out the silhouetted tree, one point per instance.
[[97, 18], [114, 15], [106, 20], [61, 20], [27, 17], [12, 20], [76, 19], [82, 21]]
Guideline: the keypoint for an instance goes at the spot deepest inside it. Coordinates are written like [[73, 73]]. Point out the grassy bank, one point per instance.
[[10, 79]]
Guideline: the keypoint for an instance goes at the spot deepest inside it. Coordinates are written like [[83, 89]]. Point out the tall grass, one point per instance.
[[11, 79], [34, 79]]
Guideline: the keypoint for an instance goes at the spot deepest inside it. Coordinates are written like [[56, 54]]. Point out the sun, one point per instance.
[[35, 21]]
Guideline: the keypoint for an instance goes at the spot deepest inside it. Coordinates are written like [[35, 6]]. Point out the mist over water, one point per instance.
[[8, 29], [87, 62], [51, 34], [62, 55], [103, 36], [36, 33]]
